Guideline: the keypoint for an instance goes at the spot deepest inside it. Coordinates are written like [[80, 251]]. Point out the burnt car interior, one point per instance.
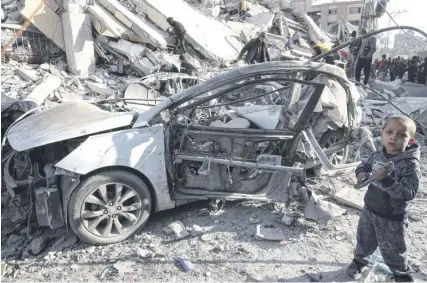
[[219, 153]]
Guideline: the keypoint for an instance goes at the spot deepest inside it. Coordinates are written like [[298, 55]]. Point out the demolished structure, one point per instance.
[[132, 128]]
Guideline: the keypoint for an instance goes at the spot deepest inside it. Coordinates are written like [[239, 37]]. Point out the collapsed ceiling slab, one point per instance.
[[46, 19], [106, 24], [141, 27], [210, 37]]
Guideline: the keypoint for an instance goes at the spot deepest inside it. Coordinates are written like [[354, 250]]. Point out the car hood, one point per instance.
[[63, 122]]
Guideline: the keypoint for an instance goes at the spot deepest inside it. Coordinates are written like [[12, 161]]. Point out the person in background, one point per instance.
[[354, 50], [401, 69], [367, 49], [315, 48], [412, 71], [288, 45], [179, 31], [383, 68], [392, 69], [422, 72], [256, 51], [296, 38], [243, 8]]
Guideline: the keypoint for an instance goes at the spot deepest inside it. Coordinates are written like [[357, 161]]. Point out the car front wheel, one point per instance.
[[109, 207]]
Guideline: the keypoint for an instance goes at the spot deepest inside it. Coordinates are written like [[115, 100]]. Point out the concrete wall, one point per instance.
[[342, 10]]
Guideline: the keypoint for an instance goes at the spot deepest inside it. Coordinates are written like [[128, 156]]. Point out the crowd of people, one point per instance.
[[397, 67]]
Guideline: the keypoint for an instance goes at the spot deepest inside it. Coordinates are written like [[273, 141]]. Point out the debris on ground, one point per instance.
[[350, 197], [178, 229], [287, 220], [270, 234], [124, 266], [185, 264], [123, 59]]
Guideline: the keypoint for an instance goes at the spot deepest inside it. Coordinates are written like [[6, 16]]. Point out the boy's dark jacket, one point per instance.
[[389, 197]]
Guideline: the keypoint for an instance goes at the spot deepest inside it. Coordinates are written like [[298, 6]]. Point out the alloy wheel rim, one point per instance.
[[113, 209]]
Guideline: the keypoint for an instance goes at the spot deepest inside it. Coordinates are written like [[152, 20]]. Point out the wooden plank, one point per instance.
[[350, 197]]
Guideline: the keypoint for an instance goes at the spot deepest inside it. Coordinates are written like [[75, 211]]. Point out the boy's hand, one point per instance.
[[381, 173], [361, 176]]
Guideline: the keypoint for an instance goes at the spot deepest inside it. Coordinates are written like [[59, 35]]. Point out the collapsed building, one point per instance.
[[178, 127]]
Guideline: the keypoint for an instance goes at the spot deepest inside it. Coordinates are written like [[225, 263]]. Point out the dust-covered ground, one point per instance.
[[227, 250]]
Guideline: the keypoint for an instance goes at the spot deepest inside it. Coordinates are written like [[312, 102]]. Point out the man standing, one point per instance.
[[422, 72], [256, 49], [243, 7], [354, 50], [383, 68], [179, 31], [412, 71], [288, 43], [402, 68], [366, 52], [296, 38]]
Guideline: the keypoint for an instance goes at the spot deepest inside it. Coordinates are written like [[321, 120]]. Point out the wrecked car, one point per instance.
[[250, 133]]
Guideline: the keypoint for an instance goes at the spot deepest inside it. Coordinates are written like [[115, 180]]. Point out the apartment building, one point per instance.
[[407, 44], [326, 12]]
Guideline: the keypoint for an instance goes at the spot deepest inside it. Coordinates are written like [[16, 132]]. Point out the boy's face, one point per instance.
[[395, 137]]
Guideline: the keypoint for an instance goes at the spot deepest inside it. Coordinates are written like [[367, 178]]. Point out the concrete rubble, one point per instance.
[[123, 63]]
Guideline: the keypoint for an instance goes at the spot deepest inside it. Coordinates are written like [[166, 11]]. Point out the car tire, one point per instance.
[[120, 198]]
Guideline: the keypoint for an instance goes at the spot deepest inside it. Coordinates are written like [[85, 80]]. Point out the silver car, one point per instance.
[[251, 133]]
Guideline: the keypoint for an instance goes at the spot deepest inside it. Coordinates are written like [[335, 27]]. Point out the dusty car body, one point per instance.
[[250, 133]]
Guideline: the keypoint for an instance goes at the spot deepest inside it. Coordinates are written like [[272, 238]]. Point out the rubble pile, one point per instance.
[[227, 141], [133, 45]]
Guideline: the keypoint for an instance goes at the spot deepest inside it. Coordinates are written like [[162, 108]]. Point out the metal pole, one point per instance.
[[321, 56]]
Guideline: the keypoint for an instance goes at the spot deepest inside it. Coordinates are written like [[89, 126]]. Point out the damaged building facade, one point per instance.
[[108, 125]]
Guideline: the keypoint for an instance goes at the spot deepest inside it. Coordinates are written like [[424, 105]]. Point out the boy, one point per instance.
[[383, 221]]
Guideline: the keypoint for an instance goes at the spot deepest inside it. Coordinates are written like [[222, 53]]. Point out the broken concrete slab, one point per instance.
[[139, 26], [271, 234], [78, 41], [124, 266], [265, 21], [108, 25], [255, 9], [63, 243], [133, 51], [101, 89], [320, 210], [38, 245], [178, 229], [139, 91], [350, 197], [196, 231], [246, 30], [145, 66], [287, 220], [42, 14], [43, 90], [222, 42], [26, 74]]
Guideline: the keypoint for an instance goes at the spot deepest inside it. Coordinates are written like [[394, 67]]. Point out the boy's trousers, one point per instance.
[[374, 231]]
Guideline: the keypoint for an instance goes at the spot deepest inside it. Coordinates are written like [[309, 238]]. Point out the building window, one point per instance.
[[333, 12], [355, 10]]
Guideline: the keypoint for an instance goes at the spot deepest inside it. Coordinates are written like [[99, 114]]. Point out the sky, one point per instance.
[[415, 16]]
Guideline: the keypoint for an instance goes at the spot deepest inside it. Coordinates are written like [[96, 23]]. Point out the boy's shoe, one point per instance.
[[403, 278], [355, 270]]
